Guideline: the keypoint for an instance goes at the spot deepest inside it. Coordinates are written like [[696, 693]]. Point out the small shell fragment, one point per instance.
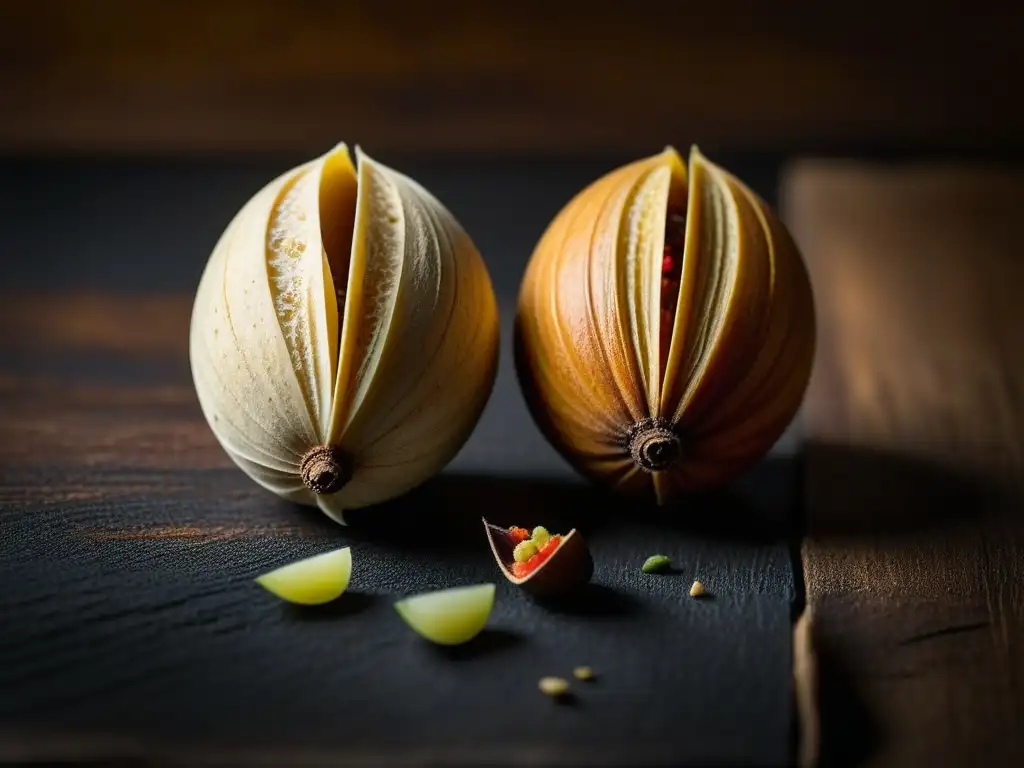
[[553, 686], [561, 566], [697, 590], [583, 673]]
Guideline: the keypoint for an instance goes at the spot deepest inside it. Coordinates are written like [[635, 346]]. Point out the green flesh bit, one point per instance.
[[524, 551], [655, 564]]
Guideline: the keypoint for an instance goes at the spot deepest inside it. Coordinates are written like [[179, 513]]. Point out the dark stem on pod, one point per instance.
[[325, 469], [654, 445]]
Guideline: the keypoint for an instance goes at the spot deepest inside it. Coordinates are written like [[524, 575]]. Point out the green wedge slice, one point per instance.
[[449, 616], [313, 581]]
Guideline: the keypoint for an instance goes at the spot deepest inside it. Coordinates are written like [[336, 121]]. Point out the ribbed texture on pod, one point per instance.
[[344, 335], [654, 411]]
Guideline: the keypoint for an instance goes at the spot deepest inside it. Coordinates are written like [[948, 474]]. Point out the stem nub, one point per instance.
[[325, 469], [654, 445]]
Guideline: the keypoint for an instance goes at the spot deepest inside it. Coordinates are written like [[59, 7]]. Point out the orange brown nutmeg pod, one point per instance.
[[665, 328]]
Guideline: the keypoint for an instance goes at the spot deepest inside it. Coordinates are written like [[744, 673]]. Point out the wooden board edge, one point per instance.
[[805, 681]]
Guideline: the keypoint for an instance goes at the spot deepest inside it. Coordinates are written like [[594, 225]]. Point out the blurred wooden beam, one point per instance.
[[914, 549], [240, 75]]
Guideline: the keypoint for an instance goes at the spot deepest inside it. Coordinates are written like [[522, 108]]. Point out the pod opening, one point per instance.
[[339, 191], [308, 250], [653, 443], [671, 274]]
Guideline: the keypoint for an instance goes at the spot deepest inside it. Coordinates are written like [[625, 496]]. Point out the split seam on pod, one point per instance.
[[665, 328], [344, 334]]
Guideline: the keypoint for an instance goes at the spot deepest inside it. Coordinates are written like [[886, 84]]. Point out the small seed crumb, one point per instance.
[[697, 590], [583, 673], [553, 686], [655, 564]]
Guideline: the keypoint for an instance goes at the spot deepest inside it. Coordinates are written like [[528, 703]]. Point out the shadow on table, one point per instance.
[[758, 508], [849, 734], [490, 640], [855, 491]]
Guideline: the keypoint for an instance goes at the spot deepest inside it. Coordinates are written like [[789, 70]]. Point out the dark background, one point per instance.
[[530, 79], [130, 132]]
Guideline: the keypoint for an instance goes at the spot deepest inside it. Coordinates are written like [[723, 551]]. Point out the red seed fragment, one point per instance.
[[550, 545], [519, 534], [669, 293], [671, 276], [537, 560]]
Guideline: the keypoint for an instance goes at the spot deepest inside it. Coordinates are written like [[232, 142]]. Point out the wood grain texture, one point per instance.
[[914, 558], [459, 76], [130, 626]]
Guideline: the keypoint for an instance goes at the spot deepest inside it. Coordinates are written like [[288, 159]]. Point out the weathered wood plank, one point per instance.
[[458, 76], [914, 556]]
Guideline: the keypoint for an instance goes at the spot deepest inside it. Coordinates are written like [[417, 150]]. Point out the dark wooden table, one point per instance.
[[130, 625]]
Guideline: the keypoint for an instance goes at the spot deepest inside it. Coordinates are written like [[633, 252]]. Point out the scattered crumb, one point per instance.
[[583, 673], [553, 686], [697, 590]]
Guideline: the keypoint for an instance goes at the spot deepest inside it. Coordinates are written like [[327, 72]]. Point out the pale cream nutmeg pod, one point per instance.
[[344, 336]]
